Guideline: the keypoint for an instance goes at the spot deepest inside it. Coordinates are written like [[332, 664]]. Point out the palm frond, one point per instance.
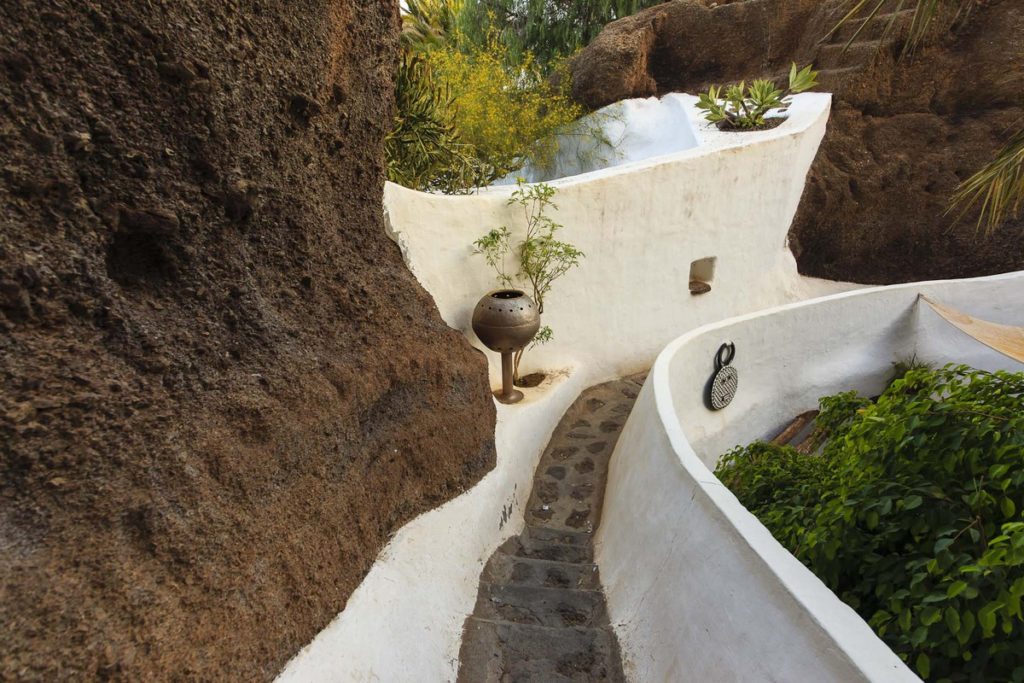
[[998, 188]]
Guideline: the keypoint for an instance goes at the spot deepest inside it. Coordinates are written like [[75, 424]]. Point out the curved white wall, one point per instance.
[[640, 224], [697, 588]]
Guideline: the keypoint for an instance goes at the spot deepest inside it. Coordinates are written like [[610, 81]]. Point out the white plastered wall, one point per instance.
[[697, 588], [640, 224]]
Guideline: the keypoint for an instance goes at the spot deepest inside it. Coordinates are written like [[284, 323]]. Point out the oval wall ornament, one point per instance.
[[726, 380]]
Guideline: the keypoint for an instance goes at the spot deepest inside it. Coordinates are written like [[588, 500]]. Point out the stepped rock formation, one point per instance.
[[221, 388], [902, 135]]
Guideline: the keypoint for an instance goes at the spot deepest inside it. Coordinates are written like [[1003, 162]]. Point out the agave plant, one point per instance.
[[745, 107], [998, 188], [929, 17]]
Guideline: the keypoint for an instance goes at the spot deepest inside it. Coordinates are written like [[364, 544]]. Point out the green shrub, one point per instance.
[[745, 108], [911, 514], [464, 118], [429, 24]]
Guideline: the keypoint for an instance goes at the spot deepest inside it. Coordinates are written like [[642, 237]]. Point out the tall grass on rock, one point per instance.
[[930, 18], [997, 189]]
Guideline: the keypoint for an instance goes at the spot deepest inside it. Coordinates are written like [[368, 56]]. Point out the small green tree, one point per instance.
[[745, 108], [540, 258]]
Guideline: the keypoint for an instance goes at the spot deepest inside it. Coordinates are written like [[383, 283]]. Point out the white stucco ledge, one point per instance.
[[697, 587]]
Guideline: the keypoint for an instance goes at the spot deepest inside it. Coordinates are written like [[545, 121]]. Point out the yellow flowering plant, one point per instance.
[[509, 115]]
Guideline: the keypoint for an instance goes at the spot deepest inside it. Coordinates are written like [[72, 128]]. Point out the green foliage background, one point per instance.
[[911, 514], [547, 29], [425, 149], [470, 110]]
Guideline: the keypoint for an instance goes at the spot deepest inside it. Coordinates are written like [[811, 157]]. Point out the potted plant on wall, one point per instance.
[[748, 108], [540, 259]]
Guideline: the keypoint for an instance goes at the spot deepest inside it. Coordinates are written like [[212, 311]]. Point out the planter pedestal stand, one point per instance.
[[508, 393]]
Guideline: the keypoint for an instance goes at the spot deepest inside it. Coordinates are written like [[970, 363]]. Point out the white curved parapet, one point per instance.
[[697, 588], [641, 224]]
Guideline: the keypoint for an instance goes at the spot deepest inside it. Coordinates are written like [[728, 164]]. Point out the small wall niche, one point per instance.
[[702, 274]]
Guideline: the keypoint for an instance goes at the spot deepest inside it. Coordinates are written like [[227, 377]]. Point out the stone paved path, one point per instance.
[[540, 613]]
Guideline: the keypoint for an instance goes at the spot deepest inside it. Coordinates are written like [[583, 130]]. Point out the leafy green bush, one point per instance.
[[743, 108], [464, 118], [429, 24], [911, 514], [540, 259]]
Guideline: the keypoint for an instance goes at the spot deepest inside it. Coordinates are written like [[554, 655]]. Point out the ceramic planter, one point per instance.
[[506, 320]]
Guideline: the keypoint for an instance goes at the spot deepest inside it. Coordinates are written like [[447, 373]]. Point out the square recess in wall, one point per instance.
[[702, 273]]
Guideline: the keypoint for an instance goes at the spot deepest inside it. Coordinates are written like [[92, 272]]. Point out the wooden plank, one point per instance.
[[794, 428]]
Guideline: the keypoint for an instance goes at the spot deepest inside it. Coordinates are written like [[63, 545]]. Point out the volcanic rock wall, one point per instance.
[[902, 135], [220, 388]]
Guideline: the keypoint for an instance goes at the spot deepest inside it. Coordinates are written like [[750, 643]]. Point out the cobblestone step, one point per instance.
[[500, 652], [540, 606], [547, 550], [522, 571], [538, 534]]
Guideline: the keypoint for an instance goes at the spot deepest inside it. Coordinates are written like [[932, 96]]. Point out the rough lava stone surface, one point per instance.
[[220, 388]]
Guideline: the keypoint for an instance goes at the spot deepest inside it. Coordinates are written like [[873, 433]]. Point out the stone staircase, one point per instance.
[[540, 614], [838, 60]]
